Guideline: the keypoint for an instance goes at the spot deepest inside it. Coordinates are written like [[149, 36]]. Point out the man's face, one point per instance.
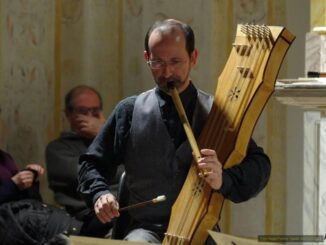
[[169, 59], [84, 103]]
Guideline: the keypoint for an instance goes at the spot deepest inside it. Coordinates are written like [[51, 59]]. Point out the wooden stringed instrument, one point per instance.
[[243, 89]]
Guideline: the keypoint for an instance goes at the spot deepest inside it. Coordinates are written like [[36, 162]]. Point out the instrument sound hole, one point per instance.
[[198, 188]]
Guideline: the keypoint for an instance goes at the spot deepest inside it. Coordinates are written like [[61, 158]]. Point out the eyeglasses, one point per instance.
[[160, 64], [85, 110]]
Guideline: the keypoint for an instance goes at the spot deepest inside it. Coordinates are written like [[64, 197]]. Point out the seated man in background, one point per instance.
[[83, 110]]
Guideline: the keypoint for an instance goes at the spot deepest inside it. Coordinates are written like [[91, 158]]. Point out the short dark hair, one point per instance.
[[186, 29], [80, 88]]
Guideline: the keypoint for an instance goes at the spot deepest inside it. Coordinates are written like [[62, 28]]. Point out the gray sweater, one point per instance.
[[62, 156]]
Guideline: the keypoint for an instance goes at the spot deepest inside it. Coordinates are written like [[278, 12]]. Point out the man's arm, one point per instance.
[[106, 152], [246, 180]]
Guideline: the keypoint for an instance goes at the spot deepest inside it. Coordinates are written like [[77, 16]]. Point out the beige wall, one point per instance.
[[47, 47], [27, 78], [317, 12]]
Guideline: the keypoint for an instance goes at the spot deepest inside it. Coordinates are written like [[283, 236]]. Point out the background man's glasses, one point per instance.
[[85, 110], [159, 64]]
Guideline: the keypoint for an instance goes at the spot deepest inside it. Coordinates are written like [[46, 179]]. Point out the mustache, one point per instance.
[[172, 80], [165, 83]]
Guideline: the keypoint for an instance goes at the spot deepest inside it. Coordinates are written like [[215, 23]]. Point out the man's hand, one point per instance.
[[38, 168], [212, 166], [89, 126], [106, 208]]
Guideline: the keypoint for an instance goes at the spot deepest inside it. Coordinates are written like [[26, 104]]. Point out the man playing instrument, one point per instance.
[[145, 134]]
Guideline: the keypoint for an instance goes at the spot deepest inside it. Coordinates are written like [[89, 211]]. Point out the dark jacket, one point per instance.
[[31, 222], [62, 156]]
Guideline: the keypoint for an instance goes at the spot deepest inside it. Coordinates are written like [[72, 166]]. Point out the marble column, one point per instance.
[[310, 96], [322, 177]]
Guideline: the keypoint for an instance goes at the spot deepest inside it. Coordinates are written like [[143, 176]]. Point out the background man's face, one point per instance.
[[84, 103]]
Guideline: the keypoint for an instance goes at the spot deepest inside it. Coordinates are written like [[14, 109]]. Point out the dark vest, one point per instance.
[[153, 166]]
